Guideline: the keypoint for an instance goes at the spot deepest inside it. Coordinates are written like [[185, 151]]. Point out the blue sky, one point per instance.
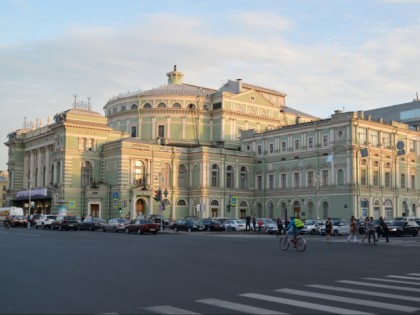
[[324, 54]]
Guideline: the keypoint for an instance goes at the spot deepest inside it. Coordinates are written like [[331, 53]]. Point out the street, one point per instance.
[[82, 272]]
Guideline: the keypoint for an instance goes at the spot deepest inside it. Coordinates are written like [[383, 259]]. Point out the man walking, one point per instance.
[[384, 228], [371, 231], [248, 223]]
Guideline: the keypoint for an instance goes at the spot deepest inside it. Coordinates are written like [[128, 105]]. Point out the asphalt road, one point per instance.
[[82, 272]]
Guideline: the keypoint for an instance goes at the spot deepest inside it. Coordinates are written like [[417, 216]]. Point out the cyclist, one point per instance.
[[292, 231]]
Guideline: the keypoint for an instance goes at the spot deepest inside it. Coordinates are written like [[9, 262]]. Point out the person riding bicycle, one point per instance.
[[292, 230]]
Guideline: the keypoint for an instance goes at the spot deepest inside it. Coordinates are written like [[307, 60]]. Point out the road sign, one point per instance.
[[234, 201], [365, 212], [115, 195]]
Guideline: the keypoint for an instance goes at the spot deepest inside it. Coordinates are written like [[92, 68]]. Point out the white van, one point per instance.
[[10, 211]]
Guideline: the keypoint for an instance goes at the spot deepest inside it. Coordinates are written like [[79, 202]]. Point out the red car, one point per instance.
[[141, 226]]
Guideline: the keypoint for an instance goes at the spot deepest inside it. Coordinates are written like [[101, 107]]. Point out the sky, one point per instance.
[[324, 54]]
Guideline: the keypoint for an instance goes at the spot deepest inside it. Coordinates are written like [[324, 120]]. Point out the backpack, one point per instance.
[[298, 223]]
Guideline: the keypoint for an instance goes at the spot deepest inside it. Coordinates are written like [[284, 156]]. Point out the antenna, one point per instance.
[[75, 100], [88, 104]]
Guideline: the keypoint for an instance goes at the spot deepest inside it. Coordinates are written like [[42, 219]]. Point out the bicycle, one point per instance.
[[298, 242]]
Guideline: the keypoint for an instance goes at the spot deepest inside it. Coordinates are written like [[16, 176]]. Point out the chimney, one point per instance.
[[239, 85]]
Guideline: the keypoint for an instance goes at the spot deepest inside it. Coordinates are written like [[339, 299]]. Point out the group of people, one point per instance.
[[371, 231]]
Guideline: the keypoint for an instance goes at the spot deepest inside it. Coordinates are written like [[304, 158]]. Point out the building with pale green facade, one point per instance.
[[235, 151]]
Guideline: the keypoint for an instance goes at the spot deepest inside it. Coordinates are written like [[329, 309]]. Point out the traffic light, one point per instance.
[[158, 195], [228, 207]]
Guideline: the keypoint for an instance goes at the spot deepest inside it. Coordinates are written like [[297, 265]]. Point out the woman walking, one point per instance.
[[353, 230], [328, 229]]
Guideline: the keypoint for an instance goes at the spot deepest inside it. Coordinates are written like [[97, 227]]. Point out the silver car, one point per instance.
[[312, 226], [116, 225]]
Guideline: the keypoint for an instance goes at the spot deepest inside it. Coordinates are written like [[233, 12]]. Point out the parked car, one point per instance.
[[65, 223], [18, 220], [140, 226], [33, 218], [235, 225], [339, 228], [188, 225], [312, 226], [402, 227], [268, 225], [156, 218], [212, 225], [116, 225], [45, 221], [91, 224]]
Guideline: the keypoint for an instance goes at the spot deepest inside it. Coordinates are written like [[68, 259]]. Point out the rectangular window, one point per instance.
[[375, 178], [412, 145], [271, 147], [413, 181], [386, 140], [259, 182], [310, 143], [362, 136], [297, 144], [362, 177], [259, 150], [325, 178], [296, 180], [283, 181], [311, 179], [270, 181], [402, 180], [161, 131], [325, 141], [374, 138], [133, 131], [387, 179], [283, 146]]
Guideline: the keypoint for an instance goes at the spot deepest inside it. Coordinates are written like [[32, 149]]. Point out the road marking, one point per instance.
[[166, 309], [394, 281], [382, 286], [389, 306], [414, 274], [238, 307], [365, 292], [404, 277], [302, 304], [28, 234]]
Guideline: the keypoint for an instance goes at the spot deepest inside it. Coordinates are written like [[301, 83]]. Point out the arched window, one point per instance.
[[181, 202], [138, 173], [147, 105], [243, 182], [375, 164], [340, 177], [229, 177], [176, 105], [86, 173], [191, 106], [214, 203], [166, 175], [182, 176], [133, 106], [363, 162], [115, 110], [161, 105], [215, 175], [123, 108]]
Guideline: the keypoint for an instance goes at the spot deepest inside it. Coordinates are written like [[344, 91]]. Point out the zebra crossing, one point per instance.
[[391, 294]]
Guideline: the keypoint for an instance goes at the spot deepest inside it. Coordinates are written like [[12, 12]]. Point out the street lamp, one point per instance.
[[317, 184], [29, 205]]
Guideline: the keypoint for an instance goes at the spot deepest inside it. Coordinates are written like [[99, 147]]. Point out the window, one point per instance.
[[297, 144], [340, 177], [283, 146], [413, 181], [270, 181], [259, 150], [412, 145], [166, 175], [182, 176], [376, 178], [374, 138], [325, 178], [86, 173], [243, 182], [133, 131], [296, 180], [271, 147], [283, 181], [325, 141], [259, 182], [161, 131], [311, 143], [147, 105], [310, 178], [362, 136], [229, 177], [215, 175], [161, 105], [134, 106], [181, 202], [386, 140], [387, 179], [402, 180], [362, 177], [138, 173]]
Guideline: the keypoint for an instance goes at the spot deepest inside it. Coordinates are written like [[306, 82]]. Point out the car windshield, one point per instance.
[[310, 222], [398, 223], [192, 222]]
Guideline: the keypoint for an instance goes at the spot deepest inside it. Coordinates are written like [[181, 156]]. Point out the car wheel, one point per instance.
[[115, 230], [234, 229], [335, 233], [399, 233], [127, 230], [415, 233], [313, 232]]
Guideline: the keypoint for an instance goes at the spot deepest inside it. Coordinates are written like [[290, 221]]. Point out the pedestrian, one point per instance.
[[248, 223], [371, 231], [353, 230], [28, 219], [260, 225], [254, 223], [328, 229], [385, 229], [365, 225], [279, 226]]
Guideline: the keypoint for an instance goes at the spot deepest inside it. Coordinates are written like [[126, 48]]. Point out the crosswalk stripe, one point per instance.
[[365, 292], [404, 277], [302, 304], [389, 306], [383, 286], [239, 307], [392, 280], [166, 309], [414, 274]]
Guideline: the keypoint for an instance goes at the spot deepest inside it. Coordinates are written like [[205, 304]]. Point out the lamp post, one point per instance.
[[29, 203], [317, 184]]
